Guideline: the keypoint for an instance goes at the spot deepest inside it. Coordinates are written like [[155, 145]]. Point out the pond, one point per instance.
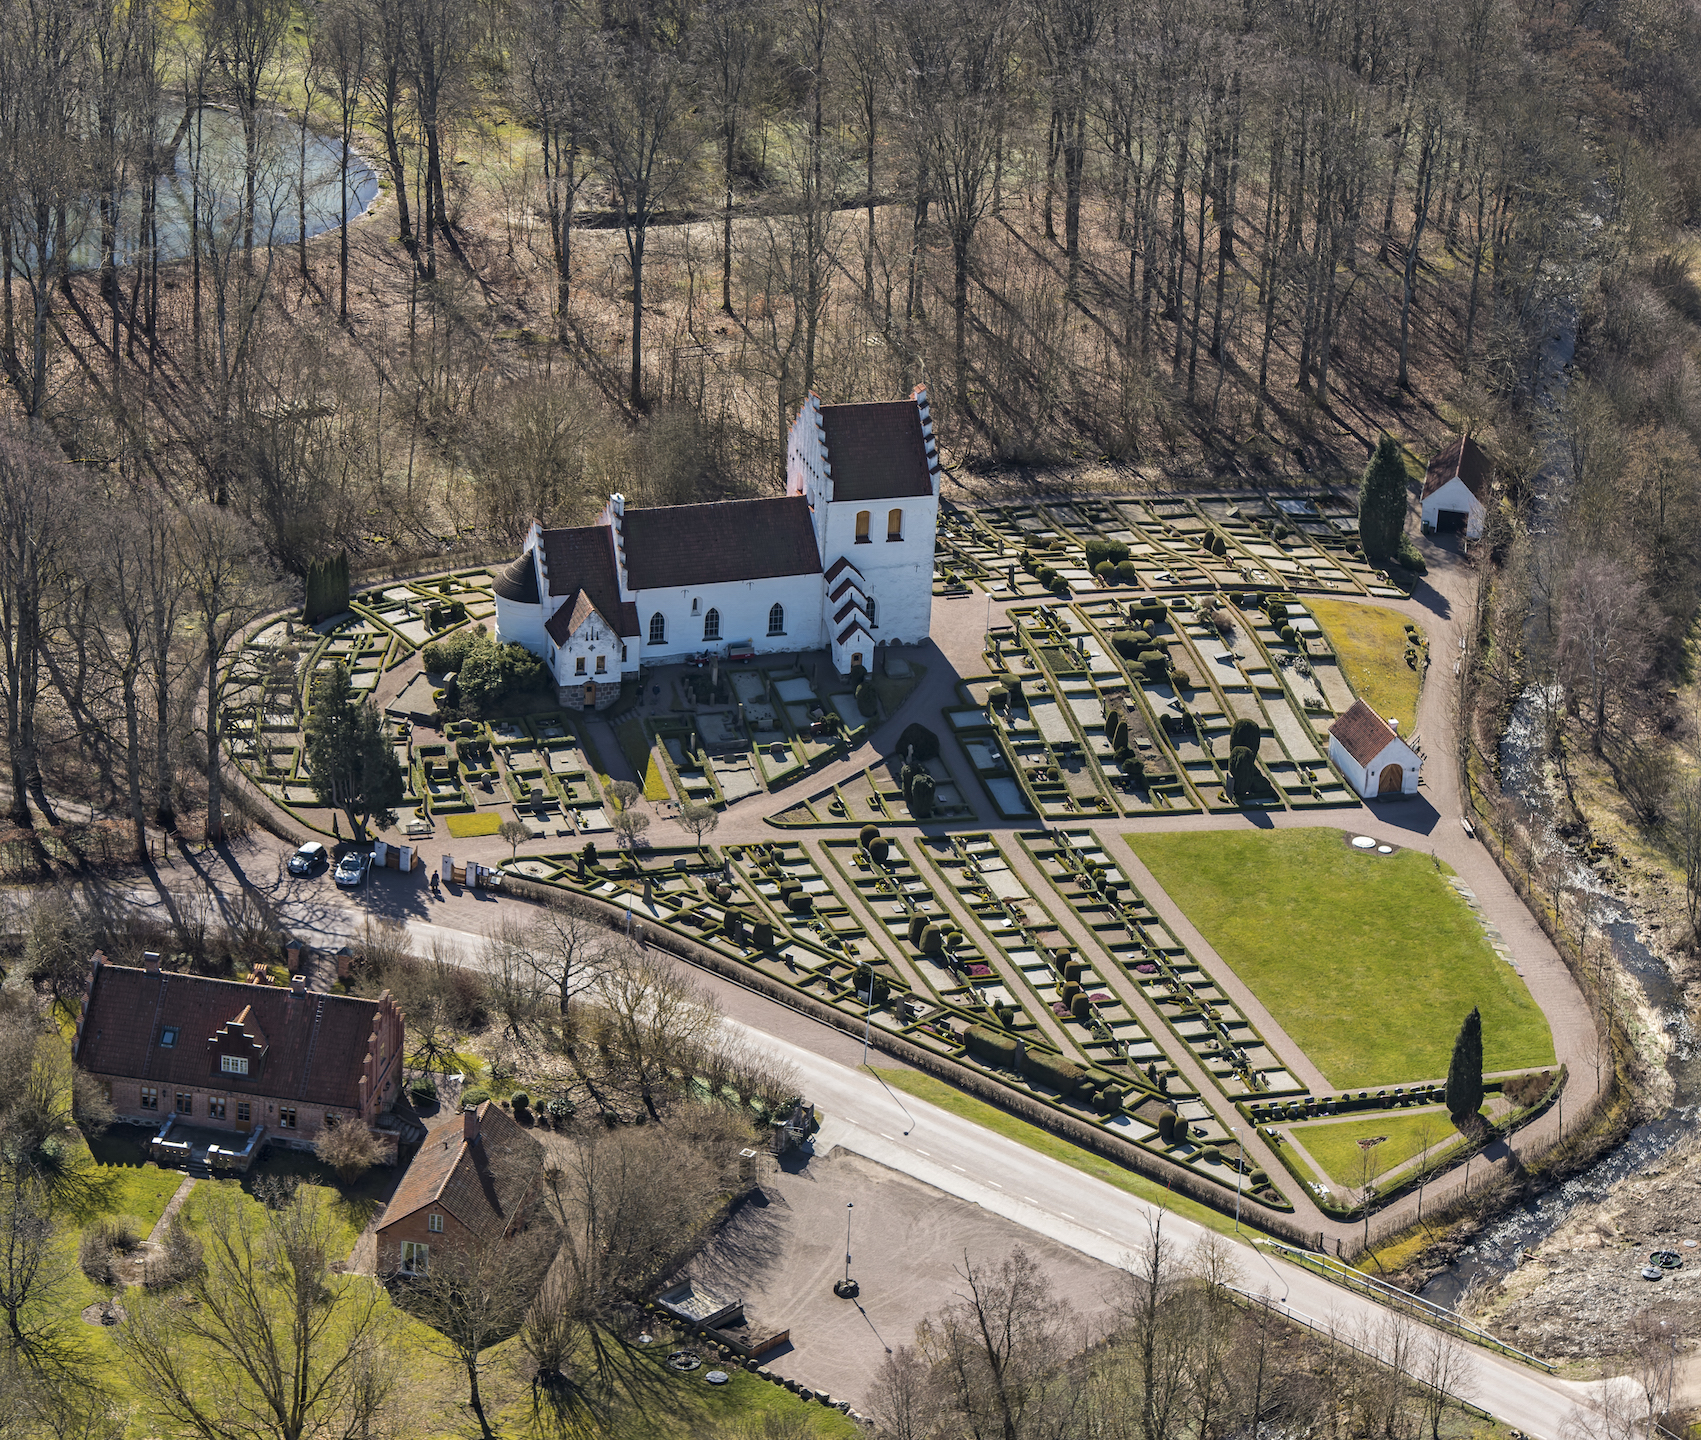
[[217, 138]]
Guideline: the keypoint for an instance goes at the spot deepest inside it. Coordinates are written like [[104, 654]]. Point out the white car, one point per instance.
[[309, 859], [352, 868]]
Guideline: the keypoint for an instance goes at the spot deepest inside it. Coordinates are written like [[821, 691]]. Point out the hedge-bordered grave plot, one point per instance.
[[797, 897], [1143, 949]]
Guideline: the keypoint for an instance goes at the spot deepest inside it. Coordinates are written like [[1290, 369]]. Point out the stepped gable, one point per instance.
[[876, 451]]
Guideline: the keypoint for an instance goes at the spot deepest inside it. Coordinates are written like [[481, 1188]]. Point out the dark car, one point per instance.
[[309, 859]]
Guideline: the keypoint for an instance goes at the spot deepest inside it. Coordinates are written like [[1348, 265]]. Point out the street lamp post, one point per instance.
[[867, 1027], [846, 1288]]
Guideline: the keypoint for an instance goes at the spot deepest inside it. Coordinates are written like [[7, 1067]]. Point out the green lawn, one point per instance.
[[1370, 642], [1333, 1144], [480, 822], [990, 1117], [1369, 962]]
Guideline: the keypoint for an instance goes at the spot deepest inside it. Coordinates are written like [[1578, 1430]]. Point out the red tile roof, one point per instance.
[[1465, 459], [482, 1183], [582, 559], [877, 451], [1363, 733], [308, 1047], [573, 613], [674, 545]]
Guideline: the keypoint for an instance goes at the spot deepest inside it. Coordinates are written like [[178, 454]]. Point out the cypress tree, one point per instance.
[[1464, 1075], [1244, 736], [1382, 501]]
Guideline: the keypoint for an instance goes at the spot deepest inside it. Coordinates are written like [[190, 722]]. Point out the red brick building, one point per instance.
[[233, 1056], [473, 1178]]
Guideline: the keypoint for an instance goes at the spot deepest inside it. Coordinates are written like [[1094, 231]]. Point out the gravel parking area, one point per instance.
[[783, 1248]]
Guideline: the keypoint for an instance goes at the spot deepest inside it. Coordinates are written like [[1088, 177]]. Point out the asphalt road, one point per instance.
[[866, 1117]]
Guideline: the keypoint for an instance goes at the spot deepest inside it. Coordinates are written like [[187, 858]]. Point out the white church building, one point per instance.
[[842, 561], [1368, 750]]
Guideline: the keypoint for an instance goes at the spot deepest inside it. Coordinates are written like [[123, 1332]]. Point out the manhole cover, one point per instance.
[[1384, 849], [1666, 1259], [684, 1361], [716, 1377], [1652, 1272], [1363, 842]]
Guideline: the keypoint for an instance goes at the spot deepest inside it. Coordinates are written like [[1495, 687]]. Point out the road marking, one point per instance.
[[1065, 1214], [995, 1185], [884, 1135], [920, 1151], [1030, 1199], [959, 1167]]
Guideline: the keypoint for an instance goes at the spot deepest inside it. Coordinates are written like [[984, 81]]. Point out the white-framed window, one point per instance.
[[712, 624], [416, 1258], [658, 629], [602, 664], [776, 619], [215, 1107], [579, 666], [233, 1064], [434, 1223], [894, 524]]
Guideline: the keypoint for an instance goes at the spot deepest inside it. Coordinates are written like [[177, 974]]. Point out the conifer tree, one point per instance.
[[1382, 502], [1464, 1075]]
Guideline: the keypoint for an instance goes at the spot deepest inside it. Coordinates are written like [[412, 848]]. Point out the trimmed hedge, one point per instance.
[[991, 1047], [1054, 1071]]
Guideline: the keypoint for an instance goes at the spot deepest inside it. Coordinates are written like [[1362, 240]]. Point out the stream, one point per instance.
[[1523, 774]]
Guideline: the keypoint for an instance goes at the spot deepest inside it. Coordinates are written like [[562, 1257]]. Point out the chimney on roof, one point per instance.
[[469, 1124], [1394, 725], [298, 984], [150, 961]]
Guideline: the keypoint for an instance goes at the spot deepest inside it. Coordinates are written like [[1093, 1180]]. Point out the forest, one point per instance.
[[387, 278]]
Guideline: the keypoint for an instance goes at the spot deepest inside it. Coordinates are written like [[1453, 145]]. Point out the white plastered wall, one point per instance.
[[743, 607]]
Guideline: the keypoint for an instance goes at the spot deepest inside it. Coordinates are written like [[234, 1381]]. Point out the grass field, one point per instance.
[[480, 822], [1369, 962], [990, 1117], [1333, 1144], [1371, 644]]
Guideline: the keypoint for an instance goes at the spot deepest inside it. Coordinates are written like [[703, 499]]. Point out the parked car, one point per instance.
[[352, 868], [309, 859]]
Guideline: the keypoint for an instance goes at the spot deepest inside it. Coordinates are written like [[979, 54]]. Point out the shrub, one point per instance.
[[1166, 1127], [1211, 1155], [447, 654], [1411, 558], [1128, 643], [932, 941], [1014, 684], [1073, 970], [918, 923], [1071, 989], [1046, 576], [521, 1100], [1081, 1006], [926, 743], [423, 1089], [1258, 1179], [879, 849], [1244, 735], [1183, 679], [1059, 586], [1128, 572], [1243, 767], [990, 1047], [1153, 662], [1119, 733], [733, 924], [762, 935], [867, 700], [349, 1149], [996, 696], [1104, 570], [921, 797], [801, 901], [473, 1095], [1052, 1070], [1290, 636], [858, 673], [866, 836], [1112, 1098], [1133, 767], [1100, 552]]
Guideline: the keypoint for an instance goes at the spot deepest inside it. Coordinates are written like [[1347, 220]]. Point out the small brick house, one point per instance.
[[475, 1177], [228, 1055]]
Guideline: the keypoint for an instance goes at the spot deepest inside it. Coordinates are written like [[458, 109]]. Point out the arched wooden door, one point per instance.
[[1393, 777]]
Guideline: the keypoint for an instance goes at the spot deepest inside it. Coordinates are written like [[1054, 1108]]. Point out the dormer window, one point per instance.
[[233, 1064], [168, 1037]]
